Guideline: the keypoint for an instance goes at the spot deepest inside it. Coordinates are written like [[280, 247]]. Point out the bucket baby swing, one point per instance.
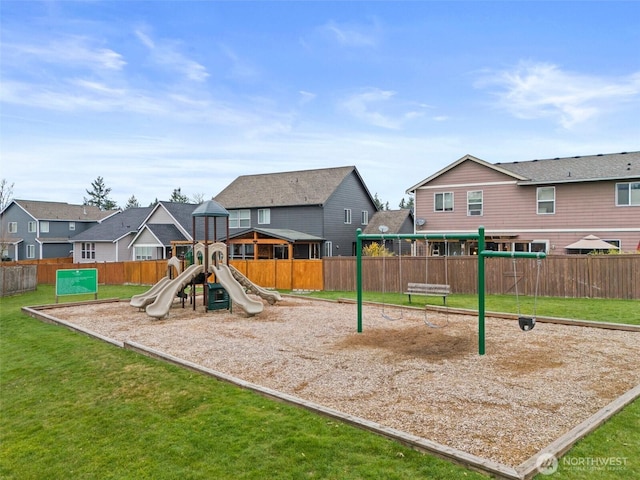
[[527, 323]]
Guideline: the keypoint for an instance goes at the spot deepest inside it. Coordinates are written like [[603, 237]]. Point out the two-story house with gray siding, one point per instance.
[[299, 214], [536, 205], [33, 229]]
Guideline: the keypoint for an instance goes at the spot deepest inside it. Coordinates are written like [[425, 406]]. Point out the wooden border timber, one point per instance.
[[45, 317], [505, 316], [559, 447]]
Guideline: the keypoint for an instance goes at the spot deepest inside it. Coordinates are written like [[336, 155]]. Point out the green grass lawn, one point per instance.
[[596, 309], [75, 407]]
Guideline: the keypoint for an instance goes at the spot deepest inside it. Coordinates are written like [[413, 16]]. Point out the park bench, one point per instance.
[[431, 289]]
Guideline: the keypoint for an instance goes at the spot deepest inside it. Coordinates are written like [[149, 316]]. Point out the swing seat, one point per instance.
[[526, 323]]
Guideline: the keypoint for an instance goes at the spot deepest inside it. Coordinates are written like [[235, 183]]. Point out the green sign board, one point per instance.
[[76, 282]]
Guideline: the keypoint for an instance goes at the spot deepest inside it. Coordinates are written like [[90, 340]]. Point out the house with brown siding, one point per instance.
[[535, 205]]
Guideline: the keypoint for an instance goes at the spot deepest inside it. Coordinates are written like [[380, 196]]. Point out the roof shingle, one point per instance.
[[304, 187]]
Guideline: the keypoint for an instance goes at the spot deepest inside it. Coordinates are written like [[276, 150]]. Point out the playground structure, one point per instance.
[[526, 323], [142, 300], [159, 298]]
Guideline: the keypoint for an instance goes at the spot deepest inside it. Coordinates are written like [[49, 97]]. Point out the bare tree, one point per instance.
[[198, 198], [6, 195]]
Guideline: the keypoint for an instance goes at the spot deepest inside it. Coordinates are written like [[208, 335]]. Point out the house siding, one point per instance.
[[16, 214], [160, 215], [511, 209], [350, 194], [306, 219]]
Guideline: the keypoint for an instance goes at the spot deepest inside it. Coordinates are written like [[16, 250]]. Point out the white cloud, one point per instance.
[[366, 107], [76, 51], [167, 54], [351, 35], [537, 90], [306, 97]]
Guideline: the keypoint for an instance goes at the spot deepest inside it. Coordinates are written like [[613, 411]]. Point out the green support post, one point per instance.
[[359, 277], [481, 290]]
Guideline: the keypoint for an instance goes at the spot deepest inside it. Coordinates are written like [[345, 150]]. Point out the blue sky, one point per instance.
[[157, 95]]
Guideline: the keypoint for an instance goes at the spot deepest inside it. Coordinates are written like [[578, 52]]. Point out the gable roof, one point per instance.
[[589, 168], [393, 219], [54, 211], [165, 233], [284, 189], [115, 227], [180, 212], [466, 158]]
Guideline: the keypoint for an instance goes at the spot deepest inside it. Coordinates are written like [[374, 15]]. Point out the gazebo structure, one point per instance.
[[208, 209]]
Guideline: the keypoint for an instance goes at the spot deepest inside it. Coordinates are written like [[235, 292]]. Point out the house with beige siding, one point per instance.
[[534, 205]]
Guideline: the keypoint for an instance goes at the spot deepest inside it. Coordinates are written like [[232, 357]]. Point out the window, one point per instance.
[[31, 251], [347, 215], [546, 200], [617, 243], [242, 250], [365, 217], [540, 246], [627, 194], [72, 225], [13, 227], [44, 227], [264, 216], [31, 227], [328, 249], [88, 251], [443, 202], [143, 253], [240, 218], [474, 203]]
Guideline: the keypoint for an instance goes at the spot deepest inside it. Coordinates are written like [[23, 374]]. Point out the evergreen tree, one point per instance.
[[378, 202], [178, 197], [132, 203], [406, 204], [99, 196]]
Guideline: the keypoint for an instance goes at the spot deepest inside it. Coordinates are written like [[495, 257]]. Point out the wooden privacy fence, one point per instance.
[[145, 272], [283, 274], [574, 276], [280, 274]]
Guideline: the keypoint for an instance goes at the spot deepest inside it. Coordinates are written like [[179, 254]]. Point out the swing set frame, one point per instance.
[[483, 253]]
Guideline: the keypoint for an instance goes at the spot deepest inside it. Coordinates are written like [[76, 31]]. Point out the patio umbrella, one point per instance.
[[591, 242]]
